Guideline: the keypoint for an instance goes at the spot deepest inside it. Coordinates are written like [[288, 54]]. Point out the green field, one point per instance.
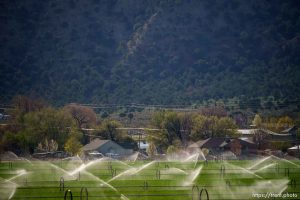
[[161, 180]]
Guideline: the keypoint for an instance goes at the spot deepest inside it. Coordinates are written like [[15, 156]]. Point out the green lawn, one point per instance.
[[161, 180]]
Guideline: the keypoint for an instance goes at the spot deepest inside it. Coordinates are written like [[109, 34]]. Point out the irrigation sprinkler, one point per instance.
[[228, 184], [158, 174], [195, 190], [25, 181], [220, 158], [84, 192], [277, 168], [167, 166], [10, 165], [109, 165], [146, 185], [206, 162], [157, 164], [113, 172], [69, 194], [222, 171], [205, 190], [293, 183], [287, 172], [62, 184]]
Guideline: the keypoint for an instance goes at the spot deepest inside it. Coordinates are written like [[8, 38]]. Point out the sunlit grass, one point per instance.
[[106, 179]]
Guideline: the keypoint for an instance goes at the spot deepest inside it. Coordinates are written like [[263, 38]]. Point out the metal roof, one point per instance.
[[94, 144]]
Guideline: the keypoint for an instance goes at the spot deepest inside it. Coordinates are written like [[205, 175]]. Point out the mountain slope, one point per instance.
[[152, 52]]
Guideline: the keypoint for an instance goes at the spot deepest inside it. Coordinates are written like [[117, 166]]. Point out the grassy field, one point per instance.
[[161, 180]]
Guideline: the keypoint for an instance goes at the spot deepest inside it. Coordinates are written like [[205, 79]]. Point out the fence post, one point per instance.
[[287, 172], [145, 185], [158, 174], [293, 183], [62, 184], [222, 171]]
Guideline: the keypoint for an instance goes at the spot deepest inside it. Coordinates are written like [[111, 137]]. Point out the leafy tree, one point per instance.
[[271, 123], [284, 123], [202, 127], [151, 150], [224, 126], [186, 121], [159, 139], [109, 130], [172, 124], [104, 115], [50, 124], [23, 105], [171, 151], [257, 121], [10, 142], [212, 126], [73, 146]]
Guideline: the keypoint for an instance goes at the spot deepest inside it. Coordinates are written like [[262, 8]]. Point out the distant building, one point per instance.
[[266, 138], [4, 117], [143, 145], [294, 151], [107, 148], [218, 146], [292, 131], [246, 132]]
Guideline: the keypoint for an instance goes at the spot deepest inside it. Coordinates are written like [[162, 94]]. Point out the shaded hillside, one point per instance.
[[152, 52]]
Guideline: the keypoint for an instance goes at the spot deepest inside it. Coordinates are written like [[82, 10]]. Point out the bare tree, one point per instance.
[[84, 116]]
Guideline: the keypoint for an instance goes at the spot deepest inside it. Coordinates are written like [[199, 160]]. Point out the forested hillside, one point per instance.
[[151, 52]]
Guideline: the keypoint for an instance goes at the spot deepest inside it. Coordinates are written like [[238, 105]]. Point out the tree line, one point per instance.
[[35, 126]]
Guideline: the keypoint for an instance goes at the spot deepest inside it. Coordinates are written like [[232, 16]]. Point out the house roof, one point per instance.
[[94, 144], [246, 131], [276, 134], [295, 147], [198, 144], [214, 143], [248, 140], [288, 130], [220, 142]]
